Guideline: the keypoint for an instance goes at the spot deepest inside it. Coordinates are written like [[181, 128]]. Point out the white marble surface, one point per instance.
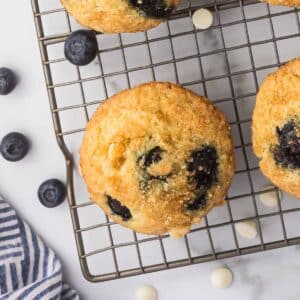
[[270, 275]]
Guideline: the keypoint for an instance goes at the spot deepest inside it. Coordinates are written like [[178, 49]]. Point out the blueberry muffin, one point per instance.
[[115, 16], [292, 3], [276, 127], [157, 158]]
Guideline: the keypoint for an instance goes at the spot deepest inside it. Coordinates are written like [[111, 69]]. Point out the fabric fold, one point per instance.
[[28, 268]]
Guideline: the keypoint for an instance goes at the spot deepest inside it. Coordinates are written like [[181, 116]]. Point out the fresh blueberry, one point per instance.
[[155, 9], [52, 193], [119, 209], [7, 81], [81, 47], [14, 146], [287, 153]]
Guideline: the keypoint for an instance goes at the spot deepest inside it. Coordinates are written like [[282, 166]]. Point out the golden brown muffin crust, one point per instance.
[[292, 3], [278, 102], [111, 16], [136, 121]]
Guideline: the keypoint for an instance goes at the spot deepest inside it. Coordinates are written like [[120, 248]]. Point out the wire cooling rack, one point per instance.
[[225, 63]]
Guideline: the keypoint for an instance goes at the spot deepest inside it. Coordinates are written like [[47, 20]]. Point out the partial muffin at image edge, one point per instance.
[[157, 158], [117, 16], [276, 127], [291, 3]]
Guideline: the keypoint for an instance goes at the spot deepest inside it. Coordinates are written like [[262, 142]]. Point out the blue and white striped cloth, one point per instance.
[[28, 268]]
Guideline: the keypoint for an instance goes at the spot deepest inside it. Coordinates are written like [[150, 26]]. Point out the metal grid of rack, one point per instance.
[[247, 41]]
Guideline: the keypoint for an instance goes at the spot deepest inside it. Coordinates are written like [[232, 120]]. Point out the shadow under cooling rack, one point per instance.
[[226, 63]]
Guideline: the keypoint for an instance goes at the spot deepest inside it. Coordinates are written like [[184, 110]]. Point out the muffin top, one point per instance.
[[292, 3], [157, 158], [276, 127], [116, 16]]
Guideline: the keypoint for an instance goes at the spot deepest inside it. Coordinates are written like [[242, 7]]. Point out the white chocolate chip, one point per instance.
[[146, 292], [269, 198], [247, 229], [203, 18], [221, 278]]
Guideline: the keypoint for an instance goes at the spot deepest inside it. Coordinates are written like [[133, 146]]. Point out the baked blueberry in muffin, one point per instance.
[[287, 151], [276, 127], [115, 16], [118, 209], [157, 158], [155, 9], [146, 162], [203, 167]]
